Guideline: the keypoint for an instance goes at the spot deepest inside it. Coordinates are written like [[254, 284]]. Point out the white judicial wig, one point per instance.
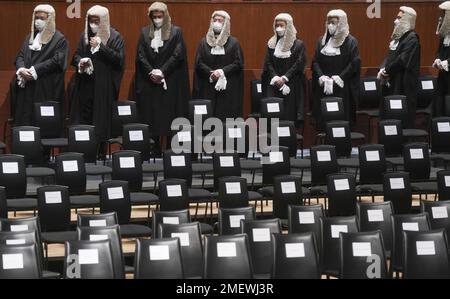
[[407, 22], [342, 31], [166, 28], [218, 43], [444, 29], [50, 27], [284, 44], [104, 31]]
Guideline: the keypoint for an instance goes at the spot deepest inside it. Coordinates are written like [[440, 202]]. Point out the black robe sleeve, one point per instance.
[[141, 57], [405, 59], [20, 59], [299, 65], [355, 64], [317, 70], [57, 62], [268, 65], [237, 65], [202, 68], [114, 53], [177, 57]]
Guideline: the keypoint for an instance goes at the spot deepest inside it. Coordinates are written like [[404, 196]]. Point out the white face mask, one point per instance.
[[39, 24], [280, 31], [217, 27], [332, 28], [158, 22], [94, 28], [396, 22]]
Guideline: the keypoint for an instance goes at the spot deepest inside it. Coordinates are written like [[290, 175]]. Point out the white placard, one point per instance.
[[410, 226], [159, 252], [124, 110], [261, 235], [288, 187], [341, 185], [184, 238], [184, 136], [427, 85], [235, 220], [10, 167], [200, 109], [283, 132], [416, 153], [375, 215], [136, 135], [338, 132], [306, 217], [88, 256], [47, 111], [26, 136], [16, 242], [323, 156], [226, 161], [171, 220], [97, 223], [70, 166], [276, 157], [126, 162], [447, 180], [336, 229], [226, 249], [332, 106], [370, 86], [425, 248], [174, 190], [362, 249], [177, 161], [273, 107], [12, 261], [233, 187], [53, 197], [18, 227], [390, 130], [294, 250], [82, 135], [396, 104], [439, 212], [98, 237], [115, 193], [443, 127], [235, 132], [397, 183], [372, 156], [258, 88]]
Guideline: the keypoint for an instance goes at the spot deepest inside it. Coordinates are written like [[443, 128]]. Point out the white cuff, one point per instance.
[[33, 73], [89, 70], [96, 49], [328, 86], [380, 73], [285, 78], [323, 79], [157, 72], [444, 65], [274, 79], [285, 90], [19, 70], [221, 83], [338, 81]]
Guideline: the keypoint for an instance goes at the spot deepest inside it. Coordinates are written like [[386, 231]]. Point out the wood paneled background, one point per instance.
[[251, 23]]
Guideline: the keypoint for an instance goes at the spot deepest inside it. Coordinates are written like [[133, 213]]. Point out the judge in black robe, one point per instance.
[[284, 67], [399, 73], [40, 65], [99, 68], [162, 77], [336, 66], [219, 65]]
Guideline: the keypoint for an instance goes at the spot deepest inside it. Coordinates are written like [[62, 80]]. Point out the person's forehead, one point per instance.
[[41, 14], [219, 17], [157, 12]]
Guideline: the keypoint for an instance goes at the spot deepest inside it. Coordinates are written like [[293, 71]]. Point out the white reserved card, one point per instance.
[[362, 249], [126, 162], [171, 220], [275, 157], [97, 223], [184, 136], [306, 217], [235, 220], [332, 106], [273, 107], [443, 127], [370, 86], [88, 256], [396, 104], [447, 180], [115, 193], [425, 248], [235, 132], [159, 252], [15, 242], [323, 156], [375, 215], [261, 235], [233, 187], [12, 261], [288, 187], [10, 167], [372, 156], [136, 135], [390, 130], [226, 161], [26, 136], [82, 135], [336, 229], [53, 197], [226, 249], [416, 153], [47, 111], [18, 227], [439, 212], [184, 238], [283, 132], [410, 226], [294, 250], [427, 85], [338, 132], [200, 110], [124, 110], [98, 237], [70, 166], [341, 185], [397, 183], [259, 88], [174, 190], [177, 161]]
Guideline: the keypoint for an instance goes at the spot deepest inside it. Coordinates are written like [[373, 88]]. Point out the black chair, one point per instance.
[[288, 190], [390, 134], [3, 203], [443, 182], [111, 233], [136, 137], [295, 256], [173, 194], [438, 212], [287, 136], [169, 217], [97, 220], [397, 189], [440, 138], [303, 219], [233, 192], [401, 223], [200, 108], [338, 134], [158, 259], [259, 233], [227, 257], [341, 194], [426, 95], [425, 255], [48, 116], [19, 262], [370, 97], [376, 216], [417, 162], [372, 166], [332, 227], [230, 219], [323, 163], [89, 260], [360, 250], [191, 246], [123, 112], [272, 107], [331, 109], [256, 96]]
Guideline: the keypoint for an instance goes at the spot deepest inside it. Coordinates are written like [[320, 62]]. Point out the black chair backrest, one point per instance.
[[427, 91], [225, 164], [440, 134], [337, 133], [443, 181], [287, 190], [184, 137], [97, 220], [19, 262], [256, 95], [303, 219], [372, 163], [417, 160], [94, 259], [177, 166], [230, 219], [3, 203], [287, 136], [272, 107], [115, 197], [127, 166], [54, 208], [123, 112], [397, 189], [331, 108], [136, 137], [71, 172], [369, 93], [169, 217], [438, 212], [390, 134], [26, 141], [323, 163], [341, 194], [233, 192], [275, 162], [395, 107], [295, 256], [173, 195], [191, 245], [227, 257], [82, 139], [48, 117], [237, 137], [200, 108], [13, 175]]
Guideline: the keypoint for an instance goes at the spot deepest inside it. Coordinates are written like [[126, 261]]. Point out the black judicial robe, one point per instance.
[[50, 64], [227, 103], [293, 68], [347, 66], [403, 67], [158, 107], [443, 83], [92, 96]]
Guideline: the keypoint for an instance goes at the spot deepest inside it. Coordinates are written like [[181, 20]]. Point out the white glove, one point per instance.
[[33, 73], [221, 82], [444, 65], [338, 81], [96, 49], [323, 79], [20, 80], [274, 79], [160, 74], [437, 64], [89, 69], [285, 90], [328, 86], [381, 73]]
